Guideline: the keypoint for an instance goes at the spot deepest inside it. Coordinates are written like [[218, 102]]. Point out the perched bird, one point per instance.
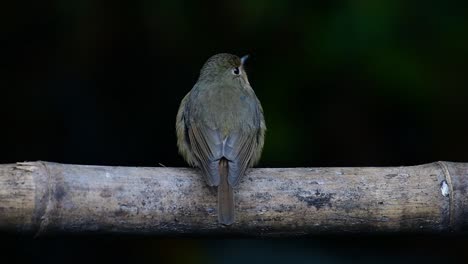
[[220, 127]]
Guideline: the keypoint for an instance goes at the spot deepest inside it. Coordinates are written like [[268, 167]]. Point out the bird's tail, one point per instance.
[[225, 195]]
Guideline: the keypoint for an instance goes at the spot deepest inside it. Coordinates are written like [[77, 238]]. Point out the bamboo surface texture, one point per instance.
[[43, 198]]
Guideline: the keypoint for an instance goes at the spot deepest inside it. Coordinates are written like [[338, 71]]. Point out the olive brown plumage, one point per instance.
[[220, 127]]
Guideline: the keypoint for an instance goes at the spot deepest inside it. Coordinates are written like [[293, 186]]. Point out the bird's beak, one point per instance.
[[244, 58]]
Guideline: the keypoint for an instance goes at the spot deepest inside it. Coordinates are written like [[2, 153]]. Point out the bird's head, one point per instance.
[[226, 68]]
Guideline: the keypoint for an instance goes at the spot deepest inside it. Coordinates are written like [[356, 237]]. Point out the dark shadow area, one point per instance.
[[319, 249]]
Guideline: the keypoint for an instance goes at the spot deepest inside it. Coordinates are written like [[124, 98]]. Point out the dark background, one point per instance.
[[342, 83]]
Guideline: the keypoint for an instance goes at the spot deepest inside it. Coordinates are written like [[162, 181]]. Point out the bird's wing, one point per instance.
[[183, 141], [207, 147], [238, 149]]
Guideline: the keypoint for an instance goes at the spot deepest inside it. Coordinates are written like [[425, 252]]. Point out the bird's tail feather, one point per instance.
[[225, 195]]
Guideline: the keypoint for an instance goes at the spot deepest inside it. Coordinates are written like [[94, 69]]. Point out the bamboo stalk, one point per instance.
[[43, 198]]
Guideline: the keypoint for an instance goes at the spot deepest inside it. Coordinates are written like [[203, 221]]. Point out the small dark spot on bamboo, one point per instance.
[[121, 213], [59, 192], [262, 196], [106, 193], [317, 199]]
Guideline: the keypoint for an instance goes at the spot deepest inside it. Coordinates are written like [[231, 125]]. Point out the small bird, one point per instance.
[[220, 127]]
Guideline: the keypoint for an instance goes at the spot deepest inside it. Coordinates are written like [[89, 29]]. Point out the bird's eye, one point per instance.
[[236, 71]]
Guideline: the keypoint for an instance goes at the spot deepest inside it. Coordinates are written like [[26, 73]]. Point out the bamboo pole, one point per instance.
[[43, 198]]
